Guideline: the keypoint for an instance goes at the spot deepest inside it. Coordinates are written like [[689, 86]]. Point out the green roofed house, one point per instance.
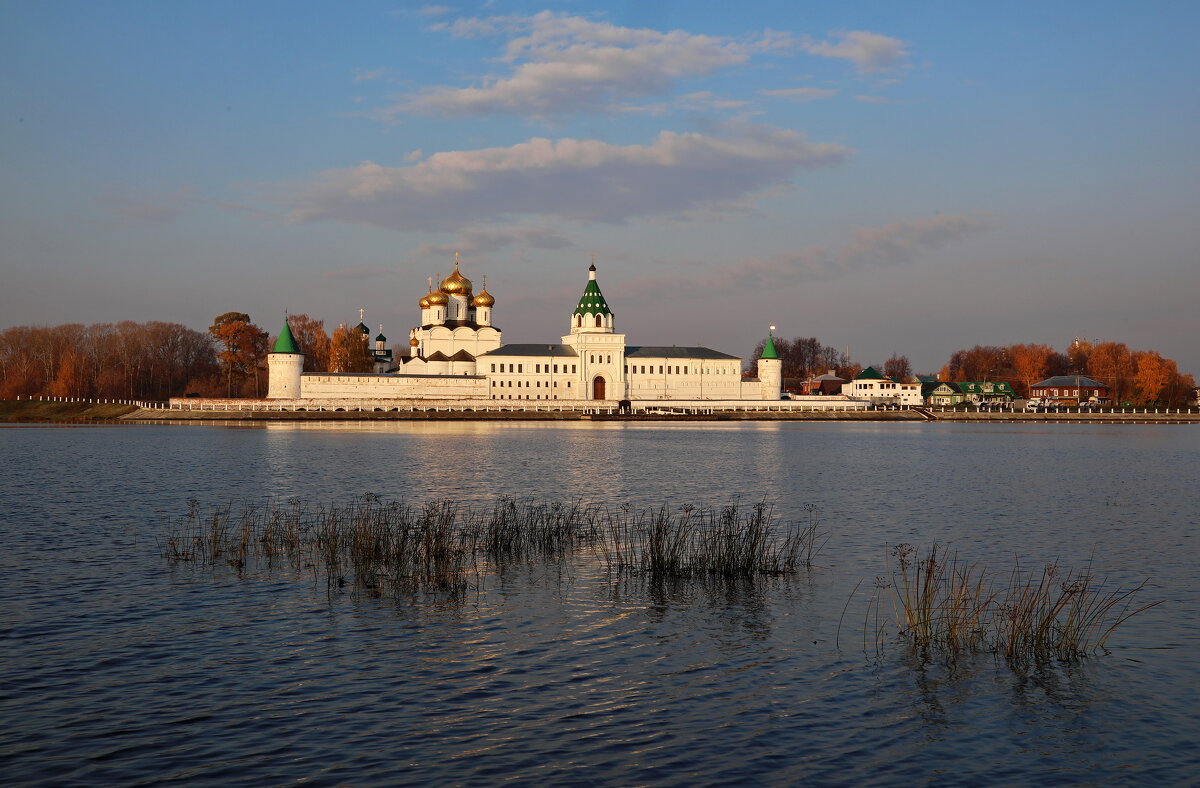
[[975, 392], [871, 386]]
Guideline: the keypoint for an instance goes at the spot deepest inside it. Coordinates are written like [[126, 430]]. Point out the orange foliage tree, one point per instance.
[[244, 349], [1030, 363], [312, 340], [349, 351]]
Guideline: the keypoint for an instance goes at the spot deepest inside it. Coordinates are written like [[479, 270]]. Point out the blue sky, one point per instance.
[[889, 177]]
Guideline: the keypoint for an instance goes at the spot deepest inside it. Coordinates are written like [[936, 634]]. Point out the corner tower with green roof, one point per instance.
[[770, 370], [285, 364]]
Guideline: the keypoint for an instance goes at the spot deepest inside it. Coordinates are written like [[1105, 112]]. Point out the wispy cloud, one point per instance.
[[799, 94], [435, 10], [869, 52], [492, 239], [562, 63], [584, 180], [899, 243], [368, 74]]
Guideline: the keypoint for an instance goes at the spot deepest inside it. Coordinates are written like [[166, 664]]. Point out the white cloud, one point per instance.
[[434, 10], [566, 63], [799, 94], [366, 75], [584, 180], [869, 52]]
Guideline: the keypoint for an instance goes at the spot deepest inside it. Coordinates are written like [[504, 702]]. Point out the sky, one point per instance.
[[891, 178]]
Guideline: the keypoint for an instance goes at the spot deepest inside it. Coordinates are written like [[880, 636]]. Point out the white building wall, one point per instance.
[[315, 385]]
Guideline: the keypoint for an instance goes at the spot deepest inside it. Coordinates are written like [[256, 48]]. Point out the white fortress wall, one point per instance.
[[318, 385]]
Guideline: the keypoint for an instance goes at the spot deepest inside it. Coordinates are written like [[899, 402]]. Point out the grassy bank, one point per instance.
[[40, 411]]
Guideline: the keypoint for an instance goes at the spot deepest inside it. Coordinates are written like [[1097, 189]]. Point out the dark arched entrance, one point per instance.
[[598, 388]]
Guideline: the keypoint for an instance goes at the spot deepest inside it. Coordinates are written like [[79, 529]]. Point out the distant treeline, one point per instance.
[[1137, 377], [156, 361]]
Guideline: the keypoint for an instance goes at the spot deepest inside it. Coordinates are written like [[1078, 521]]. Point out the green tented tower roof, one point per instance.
[[769, 348], [592, 301], [286, 342]]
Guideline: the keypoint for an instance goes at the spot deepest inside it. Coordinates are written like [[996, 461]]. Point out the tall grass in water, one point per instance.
[[368, 543], [700, 541], [942, 606], [377, 545]]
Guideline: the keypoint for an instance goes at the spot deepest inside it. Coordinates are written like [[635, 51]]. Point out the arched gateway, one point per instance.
[[598, 388]]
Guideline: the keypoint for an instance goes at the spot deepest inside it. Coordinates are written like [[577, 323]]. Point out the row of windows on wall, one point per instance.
[[599, 358], [527, 396], [525, 384], [536, 367], [579, 321]]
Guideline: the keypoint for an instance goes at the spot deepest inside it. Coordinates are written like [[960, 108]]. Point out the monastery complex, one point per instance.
[[456, 357]]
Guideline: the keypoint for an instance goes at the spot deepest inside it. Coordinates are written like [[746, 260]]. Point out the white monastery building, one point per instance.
[[456, 354]]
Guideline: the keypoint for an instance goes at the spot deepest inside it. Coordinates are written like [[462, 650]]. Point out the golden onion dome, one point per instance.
[[437, 298], [414, 342], [456, 284], [484, 298], [424, 302]]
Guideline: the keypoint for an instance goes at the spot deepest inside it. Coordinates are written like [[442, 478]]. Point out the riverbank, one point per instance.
[[68, 412], [446, 414], [85, 412]]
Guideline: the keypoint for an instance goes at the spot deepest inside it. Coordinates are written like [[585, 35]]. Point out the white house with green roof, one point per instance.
[[871, 386]]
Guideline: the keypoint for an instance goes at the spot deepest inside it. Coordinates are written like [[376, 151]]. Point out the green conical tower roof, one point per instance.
[[592, 301], [286, 342], [769, 348]]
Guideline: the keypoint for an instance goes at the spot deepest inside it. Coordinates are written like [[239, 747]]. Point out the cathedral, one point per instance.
[[457, 353]]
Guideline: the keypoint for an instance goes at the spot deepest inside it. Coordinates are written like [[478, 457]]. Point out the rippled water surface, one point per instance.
[[120, 668]]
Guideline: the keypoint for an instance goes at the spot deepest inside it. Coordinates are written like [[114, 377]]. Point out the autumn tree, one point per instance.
[[349, 351], [1111, 363], [312, 340], [244, 348], [898, 368], [1151, 376], [1030, 364]]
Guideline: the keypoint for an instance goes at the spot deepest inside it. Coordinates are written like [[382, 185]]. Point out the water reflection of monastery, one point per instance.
[[457, 353]]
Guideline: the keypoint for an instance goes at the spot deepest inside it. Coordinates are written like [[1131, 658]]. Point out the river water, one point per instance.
[[121, 668]]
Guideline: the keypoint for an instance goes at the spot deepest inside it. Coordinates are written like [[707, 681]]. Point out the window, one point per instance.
[[572, 369], [537, 367], [520, 367], [579, 321], [608, 359], [591, 358], [597, 321], [493, 367], [556, 367], [685, 370]]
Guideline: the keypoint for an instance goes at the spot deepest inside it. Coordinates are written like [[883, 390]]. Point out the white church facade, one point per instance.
[[457, 354]]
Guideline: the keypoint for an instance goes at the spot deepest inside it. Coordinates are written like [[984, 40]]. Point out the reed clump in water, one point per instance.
[[942, 606], [368, 543], [693, 541], [376, 545]]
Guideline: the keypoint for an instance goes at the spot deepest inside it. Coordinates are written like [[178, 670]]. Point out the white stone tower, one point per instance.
[[284, 365], [601, 350], [770, 371]]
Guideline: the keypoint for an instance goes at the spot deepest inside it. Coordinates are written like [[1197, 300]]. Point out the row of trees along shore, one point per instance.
[[156, 360], [1137, 377]]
